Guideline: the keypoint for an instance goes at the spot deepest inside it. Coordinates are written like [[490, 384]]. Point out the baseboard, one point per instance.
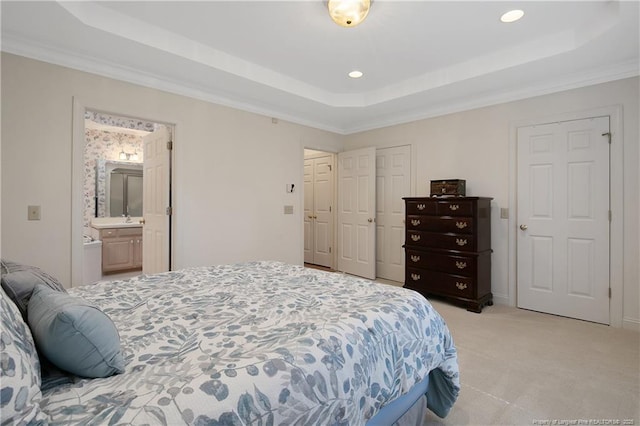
[[631, 324], [501, 299]]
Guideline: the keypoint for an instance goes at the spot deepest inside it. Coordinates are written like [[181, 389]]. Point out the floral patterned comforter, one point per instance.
[[258, 343]]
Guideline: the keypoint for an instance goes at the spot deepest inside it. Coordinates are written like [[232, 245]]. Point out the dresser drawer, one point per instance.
[[460, 242], [459, 265], [461, 225], [455, 208], [422, 207], [428, 281]]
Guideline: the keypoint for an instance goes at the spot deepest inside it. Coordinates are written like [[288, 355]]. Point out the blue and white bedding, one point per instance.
[[260, 343]]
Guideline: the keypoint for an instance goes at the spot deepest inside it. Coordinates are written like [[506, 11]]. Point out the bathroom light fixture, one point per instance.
[[512, 16], [355, 74], [348, 13], [127, 156]]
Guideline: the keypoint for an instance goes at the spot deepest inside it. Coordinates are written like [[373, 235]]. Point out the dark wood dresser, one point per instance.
[[448, 249]]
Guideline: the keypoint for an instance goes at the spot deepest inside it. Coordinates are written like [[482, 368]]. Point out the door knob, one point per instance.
[[142, 221], [369, 220], [523, 227]]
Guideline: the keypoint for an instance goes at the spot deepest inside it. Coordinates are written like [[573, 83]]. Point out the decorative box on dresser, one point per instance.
[[448, 249]]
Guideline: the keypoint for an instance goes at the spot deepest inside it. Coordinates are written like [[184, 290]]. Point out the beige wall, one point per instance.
[[230, 169], [477, 145]]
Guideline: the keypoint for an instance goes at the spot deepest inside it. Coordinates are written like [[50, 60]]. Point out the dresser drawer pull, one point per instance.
[[421, 206], [461, 242], [415, 222], [415, 258], [454, 207], [415, 237], [415, 277], [461, 286], [461, 265], [461, 225]]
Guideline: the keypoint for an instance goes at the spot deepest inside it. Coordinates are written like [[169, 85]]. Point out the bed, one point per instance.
[[250, 344]]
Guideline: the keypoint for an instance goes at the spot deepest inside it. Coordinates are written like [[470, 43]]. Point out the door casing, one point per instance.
[[79, 108]]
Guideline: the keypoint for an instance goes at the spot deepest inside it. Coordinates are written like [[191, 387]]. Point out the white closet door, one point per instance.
[[356, 212], [308, 211], [323, 215], [393, 174]]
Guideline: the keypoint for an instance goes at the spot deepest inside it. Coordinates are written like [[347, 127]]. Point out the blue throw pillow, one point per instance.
[[74, 335]]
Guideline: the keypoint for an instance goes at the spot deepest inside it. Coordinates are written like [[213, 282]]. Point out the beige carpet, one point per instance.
[[520, 367]]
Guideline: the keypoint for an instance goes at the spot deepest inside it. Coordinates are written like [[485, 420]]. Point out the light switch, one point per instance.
[[288, 209], [504, 213], [33, 212]]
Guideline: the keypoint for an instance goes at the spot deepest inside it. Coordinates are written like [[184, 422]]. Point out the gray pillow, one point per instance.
[[19, 280], [74, 335], [19, 369]]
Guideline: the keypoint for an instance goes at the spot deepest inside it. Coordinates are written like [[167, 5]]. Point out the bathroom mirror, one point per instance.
[[121, 184], [125, 194]]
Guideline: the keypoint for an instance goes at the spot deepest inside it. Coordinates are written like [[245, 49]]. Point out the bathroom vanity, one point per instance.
[[121, 245]]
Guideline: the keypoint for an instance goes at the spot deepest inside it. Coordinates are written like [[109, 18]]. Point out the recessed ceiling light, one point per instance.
[[355, 74], [512, 16]]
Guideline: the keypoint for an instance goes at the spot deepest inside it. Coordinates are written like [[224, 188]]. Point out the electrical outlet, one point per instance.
[[33, 212], [504, 213]]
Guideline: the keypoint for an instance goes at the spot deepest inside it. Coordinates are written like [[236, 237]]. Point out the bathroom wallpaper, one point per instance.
[[128, 123]]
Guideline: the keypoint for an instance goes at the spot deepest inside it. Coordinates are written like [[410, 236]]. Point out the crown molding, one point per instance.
[[575, 81], [94, 65]]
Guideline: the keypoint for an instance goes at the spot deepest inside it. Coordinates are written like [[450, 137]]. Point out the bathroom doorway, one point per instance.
[[109, 235]]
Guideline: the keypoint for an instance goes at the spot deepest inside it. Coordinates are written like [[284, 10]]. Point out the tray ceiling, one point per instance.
[[288, 60]]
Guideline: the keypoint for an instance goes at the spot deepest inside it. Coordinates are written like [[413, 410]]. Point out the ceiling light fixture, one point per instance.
[[512, 16], [348, 13], [355, 74]]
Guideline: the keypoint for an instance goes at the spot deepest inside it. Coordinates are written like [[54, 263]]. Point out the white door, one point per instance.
[[393, 181], [323, 216], [318, 214], [563, 219], [356, 212], [308, 211], [156, 188]]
